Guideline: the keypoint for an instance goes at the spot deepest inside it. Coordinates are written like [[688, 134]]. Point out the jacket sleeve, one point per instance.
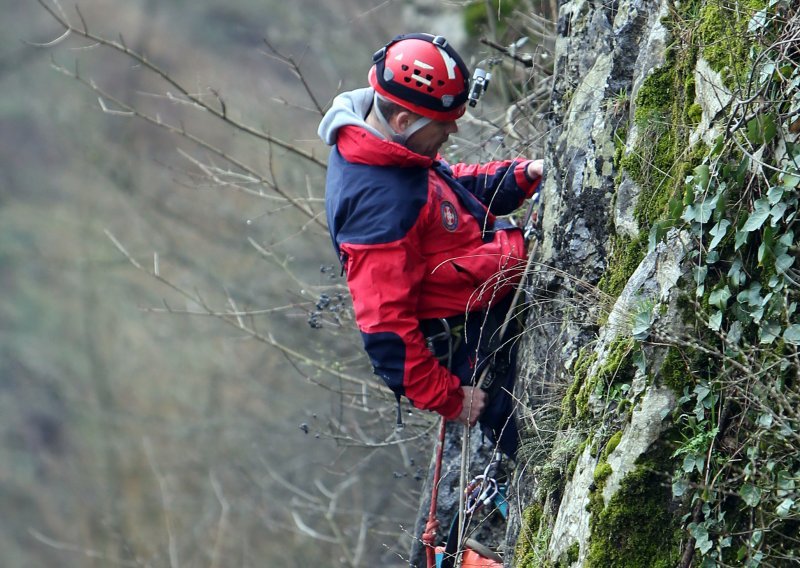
[[502, 186], [384, 281]]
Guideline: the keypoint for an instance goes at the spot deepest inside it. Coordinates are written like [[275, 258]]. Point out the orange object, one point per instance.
[[471, 559]]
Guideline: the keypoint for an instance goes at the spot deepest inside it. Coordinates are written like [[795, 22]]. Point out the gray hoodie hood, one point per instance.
[[348, 108]]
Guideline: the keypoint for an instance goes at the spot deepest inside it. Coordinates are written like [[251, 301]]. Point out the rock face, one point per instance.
[[579, 350], [650, 367]]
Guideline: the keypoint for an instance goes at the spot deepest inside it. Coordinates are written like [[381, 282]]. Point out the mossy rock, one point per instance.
[[724, 37], [637, 528], [626, 255], [531, 544]]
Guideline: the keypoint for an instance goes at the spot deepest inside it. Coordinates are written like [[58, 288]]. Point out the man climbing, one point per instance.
[[429, 265]]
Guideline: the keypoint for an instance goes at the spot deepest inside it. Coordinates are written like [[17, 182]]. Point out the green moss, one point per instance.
[[612, 444], [674, 372], [695, 114], [573, 552], [664, 116], [601, 472], [618, 366], [531, 545], [574, 403], [625, 256], [620, 136], [724, 37], [636, 529], [569, 556]]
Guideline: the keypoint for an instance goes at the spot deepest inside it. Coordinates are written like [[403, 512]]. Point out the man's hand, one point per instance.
[[535, 169], [474, 403]]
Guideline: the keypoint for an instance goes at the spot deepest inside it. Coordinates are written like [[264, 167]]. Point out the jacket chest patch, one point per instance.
[[449, 216]]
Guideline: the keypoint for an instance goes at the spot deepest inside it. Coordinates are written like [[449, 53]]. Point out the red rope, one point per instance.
[[429, 536]]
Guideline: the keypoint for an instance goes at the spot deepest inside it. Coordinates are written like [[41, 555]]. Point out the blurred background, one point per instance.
[[147, 417]]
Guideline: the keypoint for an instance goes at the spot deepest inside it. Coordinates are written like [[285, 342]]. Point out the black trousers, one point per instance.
[[478, 345]]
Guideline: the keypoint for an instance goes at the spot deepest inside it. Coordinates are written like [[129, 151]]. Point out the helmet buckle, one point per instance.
[[379, 55], [440, 41]]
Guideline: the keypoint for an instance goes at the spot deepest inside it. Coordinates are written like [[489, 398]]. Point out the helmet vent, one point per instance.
[[404, 67]]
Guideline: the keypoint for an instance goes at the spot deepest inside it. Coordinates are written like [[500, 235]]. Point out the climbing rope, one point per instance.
[[429, 536]]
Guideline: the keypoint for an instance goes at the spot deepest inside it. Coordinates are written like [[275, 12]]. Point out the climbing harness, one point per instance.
[[450, 336]]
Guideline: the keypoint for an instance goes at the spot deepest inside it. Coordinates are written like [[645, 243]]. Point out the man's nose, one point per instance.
[[452, 127]]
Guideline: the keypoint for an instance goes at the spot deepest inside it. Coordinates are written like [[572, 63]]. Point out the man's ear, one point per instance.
[[402, 120]]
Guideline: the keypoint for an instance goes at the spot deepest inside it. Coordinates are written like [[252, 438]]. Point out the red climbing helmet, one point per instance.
[[422, 73]]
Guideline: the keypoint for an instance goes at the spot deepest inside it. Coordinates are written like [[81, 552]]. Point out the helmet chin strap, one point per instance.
[[399, 137]]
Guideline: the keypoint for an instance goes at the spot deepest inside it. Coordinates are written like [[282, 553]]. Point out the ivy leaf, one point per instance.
[[720, 297], [733, 337], [792, 334], [701, 538], [790, 181], [761, 129], [785, 508], [750, 494], [699, 273], [762, 251], [741, 238], [641, 325], [765, 420], [692, 462], [758, 216], [767, 242], [742, 170], [735, 273], [702, 176], [715, 321], [768, 332], [680, 487], [702, 391], [718, 231], [783, 263], [640, 360], [706, 208], [774, 194], [752, 295], [758, 21], [786, 483], [776, 213]]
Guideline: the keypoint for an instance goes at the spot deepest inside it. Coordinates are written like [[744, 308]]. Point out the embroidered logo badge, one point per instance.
[[449, 216]]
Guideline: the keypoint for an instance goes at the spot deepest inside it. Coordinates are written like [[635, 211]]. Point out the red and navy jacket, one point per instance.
[[418, 239]]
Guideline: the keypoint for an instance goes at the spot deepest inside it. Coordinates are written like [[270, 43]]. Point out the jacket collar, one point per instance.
[[358, 145]]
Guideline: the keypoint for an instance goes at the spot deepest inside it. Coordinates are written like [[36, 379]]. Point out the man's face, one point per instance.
[[430, 138]]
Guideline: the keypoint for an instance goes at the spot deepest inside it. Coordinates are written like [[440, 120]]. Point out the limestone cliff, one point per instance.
[[659, 384]]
